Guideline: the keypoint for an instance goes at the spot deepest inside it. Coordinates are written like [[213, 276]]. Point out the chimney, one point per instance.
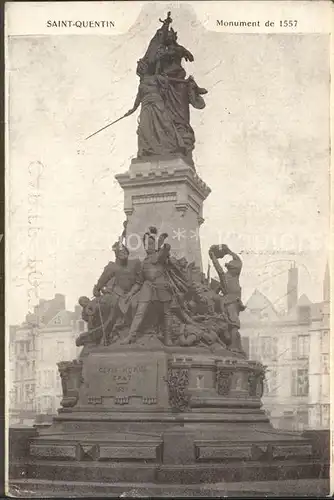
[[292, 288], [59, 300]]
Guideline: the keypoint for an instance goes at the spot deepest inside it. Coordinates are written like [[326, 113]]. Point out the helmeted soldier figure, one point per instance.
[[154, 287]]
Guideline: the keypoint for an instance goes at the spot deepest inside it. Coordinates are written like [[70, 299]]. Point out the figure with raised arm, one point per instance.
[[231, 291]]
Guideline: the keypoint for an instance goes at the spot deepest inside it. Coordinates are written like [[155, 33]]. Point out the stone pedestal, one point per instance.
[[166, 193], [166, 415]]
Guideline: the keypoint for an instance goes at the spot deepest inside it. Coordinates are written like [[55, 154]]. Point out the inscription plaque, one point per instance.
[[122, 378]]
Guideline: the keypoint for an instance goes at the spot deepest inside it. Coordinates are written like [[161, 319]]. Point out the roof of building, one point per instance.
[[304, 301], [62, 318], [259, 305], [48, 313]]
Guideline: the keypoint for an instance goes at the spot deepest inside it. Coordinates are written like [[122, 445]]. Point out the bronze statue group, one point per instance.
[[164, 297]]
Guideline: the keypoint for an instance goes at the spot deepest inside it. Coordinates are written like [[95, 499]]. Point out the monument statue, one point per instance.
[[165, 94], [157, 133]]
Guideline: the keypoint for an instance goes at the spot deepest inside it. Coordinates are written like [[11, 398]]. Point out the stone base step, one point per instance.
[[33, 488], [186, 474]]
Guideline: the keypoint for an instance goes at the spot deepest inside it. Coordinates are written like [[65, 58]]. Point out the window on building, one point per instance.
[[270, 383], [325, 342], [57, 320], [45, 378], [16, 395], [325, 363], [303, 346], [325, 385], [245, 345], [60, 349], [294, 348], [58, 382], [22, 394], [273, 382], [254, 348], [302, 419], [41, 352], [304, 314], [12, 350], [266, 347], [22, 348], [325, 416], [274, 348], [50, 378], [12, 397], [48, 406], [27, 392], [300, 382]]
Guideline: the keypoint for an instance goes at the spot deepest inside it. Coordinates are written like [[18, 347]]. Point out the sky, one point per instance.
[[262, 145]]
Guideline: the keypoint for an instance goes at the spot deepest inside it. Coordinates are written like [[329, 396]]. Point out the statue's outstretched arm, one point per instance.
[[185, 53], [136, 105]]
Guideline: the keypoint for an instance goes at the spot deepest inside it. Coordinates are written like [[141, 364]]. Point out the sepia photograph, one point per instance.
[[168, 254]]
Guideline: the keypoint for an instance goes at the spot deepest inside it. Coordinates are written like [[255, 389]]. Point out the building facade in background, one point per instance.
[[294, 346], [46, 337]]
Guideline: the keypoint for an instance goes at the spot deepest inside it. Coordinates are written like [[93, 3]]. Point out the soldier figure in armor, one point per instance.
[[154, 287]]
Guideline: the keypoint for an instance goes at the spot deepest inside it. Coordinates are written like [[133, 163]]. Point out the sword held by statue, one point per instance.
[[109, 125]]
